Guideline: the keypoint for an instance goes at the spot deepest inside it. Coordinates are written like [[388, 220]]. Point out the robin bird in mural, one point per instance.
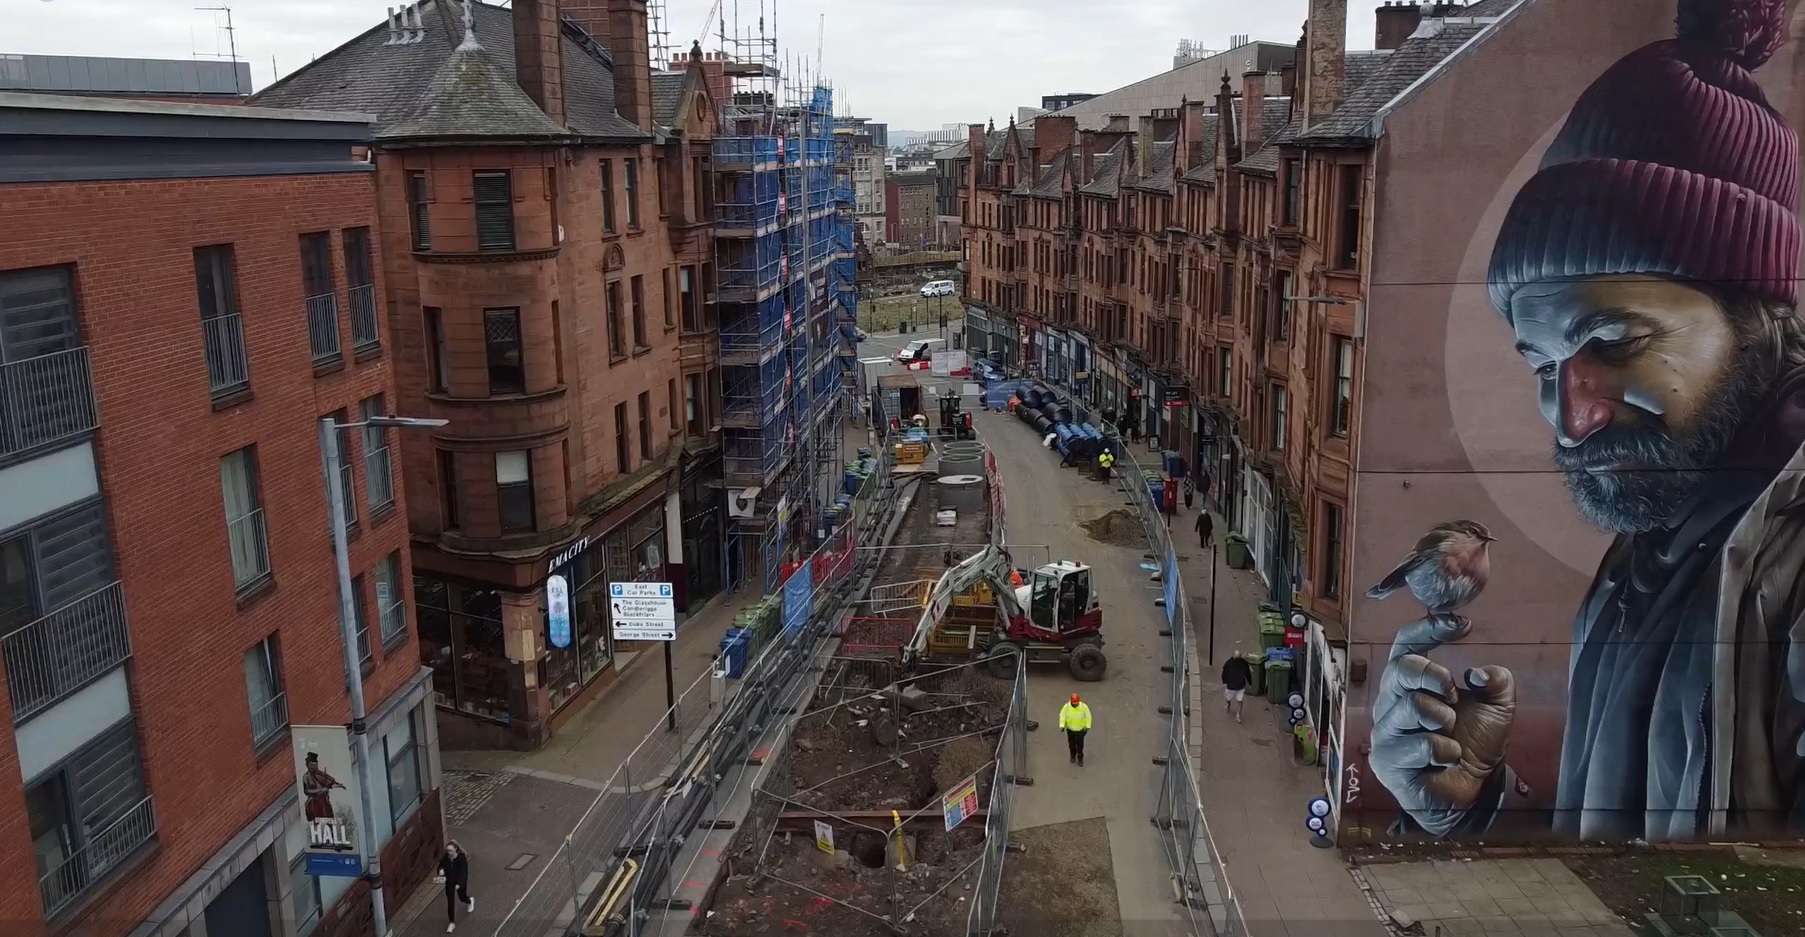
[[1446, 571]]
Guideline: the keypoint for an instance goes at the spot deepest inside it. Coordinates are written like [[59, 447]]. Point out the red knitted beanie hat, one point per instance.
[[1673, 164]]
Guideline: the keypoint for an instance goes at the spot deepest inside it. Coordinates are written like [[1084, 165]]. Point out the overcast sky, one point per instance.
[[915, 64]]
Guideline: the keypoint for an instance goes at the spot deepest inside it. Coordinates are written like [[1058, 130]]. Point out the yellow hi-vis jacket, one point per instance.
[[1075, 718], [1106, 460]]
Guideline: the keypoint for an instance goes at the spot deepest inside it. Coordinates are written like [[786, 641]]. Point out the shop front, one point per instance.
[[977, 331], [700, 511], [496, 658], [1004, 344], [1052, 356], [1325, 661]]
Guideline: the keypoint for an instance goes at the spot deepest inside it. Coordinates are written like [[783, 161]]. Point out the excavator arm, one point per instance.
[[991, 565]]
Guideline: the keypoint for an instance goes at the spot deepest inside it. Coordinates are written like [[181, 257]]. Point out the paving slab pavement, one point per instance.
[[1505, 897], [510, 825], [503, 805], [1254, 796], [1120, 783]]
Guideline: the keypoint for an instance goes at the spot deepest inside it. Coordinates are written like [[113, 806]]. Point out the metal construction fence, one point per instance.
[[890, 803], [1199, 879], [615, 866]]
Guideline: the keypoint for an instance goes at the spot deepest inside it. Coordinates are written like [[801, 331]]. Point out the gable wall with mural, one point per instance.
[[1582, 337]]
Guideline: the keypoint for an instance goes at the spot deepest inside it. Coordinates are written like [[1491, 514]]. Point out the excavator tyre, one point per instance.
[[1088, 663], [1002, 660]]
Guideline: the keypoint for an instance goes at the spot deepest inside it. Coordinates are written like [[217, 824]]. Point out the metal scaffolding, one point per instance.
[[787, 298]]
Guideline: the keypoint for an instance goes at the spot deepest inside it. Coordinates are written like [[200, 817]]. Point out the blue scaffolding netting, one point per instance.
[[788, 299]]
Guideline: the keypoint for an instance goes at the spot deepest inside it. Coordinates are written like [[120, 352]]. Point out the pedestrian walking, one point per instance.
[[454, 874], [1190, 491], [1075, 722], [1236, 674], [1205, 528]]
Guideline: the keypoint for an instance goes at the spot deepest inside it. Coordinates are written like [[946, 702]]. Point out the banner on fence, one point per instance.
[[798, 598], [960, 802]]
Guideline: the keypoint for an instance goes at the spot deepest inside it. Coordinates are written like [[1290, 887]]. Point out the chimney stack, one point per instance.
[[1087, 151], [630, 46], [539, 55], [1394, 22], [1194, 117], [1398, 20], [1143, 146], [1053, 133], [1288, 79], [1325, 60], [1228, 137], [1118, 123], [1253, 109]]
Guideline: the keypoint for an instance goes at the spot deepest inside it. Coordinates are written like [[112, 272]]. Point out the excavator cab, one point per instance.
[[1060, 598]]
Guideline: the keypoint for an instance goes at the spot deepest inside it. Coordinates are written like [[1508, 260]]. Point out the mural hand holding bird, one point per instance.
[[1437, 741]]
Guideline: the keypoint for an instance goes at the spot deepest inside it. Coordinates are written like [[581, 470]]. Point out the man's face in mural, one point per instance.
[[1645, 381]]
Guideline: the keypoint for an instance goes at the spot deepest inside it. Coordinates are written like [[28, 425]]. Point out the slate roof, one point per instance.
[[1490, 8], [959, 150], [1106, 173], [420, 88], [1157, 175], [1205, 169], [1051, 183], [993, 143], [667, 97], [1352, 122]]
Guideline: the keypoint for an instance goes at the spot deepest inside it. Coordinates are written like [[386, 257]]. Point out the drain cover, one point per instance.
[[526, 859]]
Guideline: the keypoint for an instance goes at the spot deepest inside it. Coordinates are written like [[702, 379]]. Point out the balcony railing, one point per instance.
[[227, 370], [101, 853], [364, 332], [44, 400], [59, 653], [322, 327], [268, 721]]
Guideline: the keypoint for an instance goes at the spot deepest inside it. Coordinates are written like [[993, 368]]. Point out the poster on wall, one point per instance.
[[1583, 614], [329, 800], [557, 611]]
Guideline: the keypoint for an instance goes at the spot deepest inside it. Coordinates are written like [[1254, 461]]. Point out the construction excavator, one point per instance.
[[984, 608]]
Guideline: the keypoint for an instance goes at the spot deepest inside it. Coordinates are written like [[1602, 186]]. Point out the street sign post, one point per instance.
[[647, 611]]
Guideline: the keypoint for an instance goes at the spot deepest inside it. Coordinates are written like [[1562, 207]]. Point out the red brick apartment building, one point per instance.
[[1201, 270], [185, 291], [545, 216]]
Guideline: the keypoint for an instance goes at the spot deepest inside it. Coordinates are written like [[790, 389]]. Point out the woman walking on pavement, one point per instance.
[[454, 872]]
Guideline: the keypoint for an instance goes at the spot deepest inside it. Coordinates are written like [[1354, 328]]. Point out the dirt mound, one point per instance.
[[1118, 528]]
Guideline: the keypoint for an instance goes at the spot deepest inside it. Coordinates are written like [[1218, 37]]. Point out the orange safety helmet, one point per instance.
[[1074, 699]]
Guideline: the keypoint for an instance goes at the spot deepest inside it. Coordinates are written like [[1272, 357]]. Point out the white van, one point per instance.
[[922, 349], [938, 288]]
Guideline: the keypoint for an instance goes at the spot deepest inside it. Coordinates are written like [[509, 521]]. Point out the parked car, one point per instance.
[[937, 288]]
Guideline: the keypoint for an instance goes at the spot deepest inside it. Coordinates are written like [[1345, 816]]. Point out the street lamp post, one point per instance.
[[347, 626]]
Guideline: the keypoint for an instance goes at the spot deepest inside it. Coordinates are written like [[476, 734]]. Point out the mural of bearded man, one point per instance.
[[1648, 270]]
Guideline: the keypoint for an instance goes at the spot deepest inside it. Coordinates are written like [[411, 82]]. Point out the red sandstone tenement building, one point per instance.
[[1402, 297], [1200, 269], [185, 290], [545, 218]]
